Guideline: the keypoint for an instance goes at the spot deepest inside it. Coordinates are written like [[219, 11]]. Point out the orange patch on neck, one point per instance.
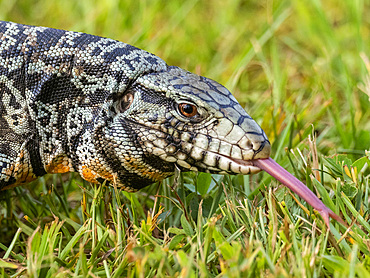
[[57, 169], [24, 178], [155, 176], [58, 165], [89, 174]]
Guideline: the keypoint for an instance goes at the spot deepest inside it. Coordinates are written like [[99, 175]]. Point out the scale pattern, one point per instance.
[[76, 102]]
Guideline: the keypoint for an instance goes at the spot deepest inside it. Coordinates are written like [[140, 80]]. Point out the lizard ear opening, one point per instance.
[[126, 101]]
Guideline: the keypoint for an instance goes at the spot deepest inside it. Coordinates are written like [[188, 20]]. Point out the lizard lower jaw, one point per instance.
[[229, 164], [226, 165], [240, 166]]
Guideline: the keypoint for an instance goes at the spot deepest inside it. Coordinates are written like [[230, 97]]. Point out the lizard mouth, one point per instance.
[[282, 175], [223, 164]]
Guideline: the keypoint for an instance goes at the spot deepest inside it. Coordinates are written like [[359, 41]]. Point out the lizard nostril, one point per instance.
[[245, 143], [250, 145]]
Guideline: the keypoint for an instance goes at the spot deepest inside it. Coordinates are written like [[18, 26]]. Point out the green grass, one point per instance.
[[301, 68]]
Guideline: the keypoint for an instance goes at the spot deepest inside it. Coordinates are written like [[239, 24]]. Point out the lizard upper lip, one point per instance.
[[242, 162]]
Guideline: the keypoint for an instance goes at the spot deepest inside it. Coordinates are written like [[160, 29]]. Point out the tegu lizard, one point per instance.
[[71, 101]]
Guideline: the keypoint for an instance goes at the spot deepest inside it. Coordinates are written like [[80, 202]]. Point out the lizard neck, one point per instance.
[[120, 160]]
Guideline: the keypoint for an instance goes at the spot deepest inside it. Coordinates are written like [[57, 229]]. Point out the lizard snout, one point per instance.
[[262, 149]]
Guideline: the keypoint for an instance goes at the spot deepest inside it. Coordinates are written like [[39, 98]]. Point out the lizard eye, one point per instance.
[[126, 101], [188, 110]]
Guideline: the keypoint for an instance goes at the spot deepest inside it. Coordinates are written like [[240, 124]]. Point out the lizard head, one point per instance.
[[174, 118]]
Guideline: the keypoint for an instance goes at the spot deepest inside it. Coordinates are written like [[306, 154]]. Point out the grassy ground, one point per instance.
[[302, 70]]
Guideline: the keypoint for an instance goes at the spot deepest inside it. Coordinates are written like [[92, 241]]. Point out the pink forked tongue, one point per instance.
[[279, 173]]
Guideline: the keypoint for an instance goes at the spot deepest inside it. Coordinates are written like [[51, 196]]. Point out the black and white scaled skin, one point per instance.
[[71, 101]]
